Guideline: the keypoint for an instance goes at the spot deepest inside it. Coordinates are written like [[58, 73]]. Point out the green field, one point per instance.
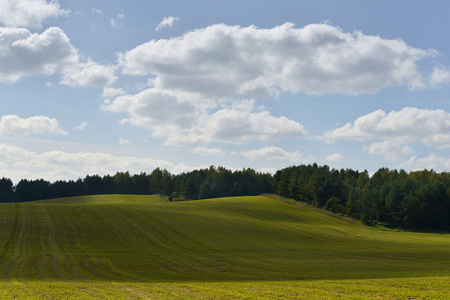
[[124, 246]]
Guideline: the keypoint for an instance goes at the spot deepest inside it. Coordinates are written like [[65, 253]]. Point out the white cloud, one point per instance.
[[439, 77], [163, 112], [187, 119], [97, 11], [166, 22], [90, 163], [437, 163], [124, 141], [431, 127], [334, 157], [25, 13], [83, 126], [118, 21], [438, 140], [273, 153], [207, 151], [112, 92], [89, 74], [20, 163], [194, 73], [26, 54], [238, 126], [232, 61], [12, 154], [362, 129], [390, 150], [13, 124]]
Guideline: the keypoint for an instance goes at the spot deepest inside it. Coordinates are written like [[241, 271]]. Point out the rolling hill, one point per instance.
[[131, 239]]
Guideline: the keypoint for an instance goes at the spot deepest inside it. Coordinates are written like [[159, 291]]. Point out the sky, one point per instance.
[[100, 86]]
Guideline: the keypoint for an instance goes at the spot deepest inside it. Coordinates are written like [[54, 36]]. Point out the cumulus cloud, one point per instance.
[[235, 125], [273, 153], [163, 112], [89, 74], [248, 62], [390, 150], [334, 157], [433, 161], [207, 151], [438, 140], [187, 119], [25, 13], [13, 124], [431, 127], [439, 77], [112, 92], [27, 54], [193, 75], [13, 154], [166, 22]]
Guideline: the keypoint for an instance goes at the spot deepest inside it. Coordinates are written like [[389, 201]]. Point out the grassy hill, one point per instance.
[[207, 245]]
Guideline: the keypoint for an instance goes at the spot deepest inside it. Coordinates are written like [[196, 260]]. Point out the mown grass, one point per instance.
[[131, 247]]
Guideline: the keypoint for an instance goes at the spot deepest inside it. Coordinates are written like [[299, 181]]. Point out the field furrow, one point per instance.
[[130, 239]]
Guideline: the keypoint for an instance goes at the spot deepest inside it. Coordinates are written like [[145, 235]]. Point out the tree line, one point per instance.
[[415, 200], [418, 200], [213, 182]]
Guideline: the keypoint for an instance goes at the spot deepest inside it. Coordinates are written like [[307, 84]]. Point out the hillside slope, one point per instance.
[[142, 238]]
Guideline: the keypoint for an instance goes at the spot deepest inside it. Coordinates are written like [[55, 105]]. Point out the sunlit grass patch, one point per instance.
[[390, 288]]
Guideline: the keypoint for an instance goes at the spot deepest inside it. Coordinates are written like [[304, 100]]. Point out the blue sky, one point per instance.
[[96, 87]]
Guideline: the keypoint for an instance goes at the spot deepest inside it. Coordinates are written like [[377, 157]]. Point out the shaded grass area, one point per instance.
[[127, 246]]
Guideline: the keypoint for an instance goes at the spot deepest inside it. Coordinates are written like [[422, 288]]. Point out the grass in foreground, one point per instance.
[[398, 288], [124, 246]]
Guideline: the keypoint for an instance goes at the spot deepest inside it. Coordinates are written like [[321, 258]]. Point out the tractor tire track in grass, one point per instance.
[[12, 218], [12, 232]]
